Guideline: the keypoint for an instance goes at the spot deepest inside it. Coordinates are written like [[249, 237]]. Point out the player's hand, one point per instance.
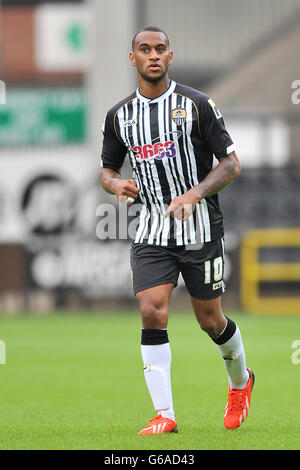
[[125, 190], [182, 207]]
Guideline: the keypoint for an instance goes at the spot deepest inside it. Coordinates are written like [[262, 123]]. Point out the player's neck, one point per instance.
[[153, 90]]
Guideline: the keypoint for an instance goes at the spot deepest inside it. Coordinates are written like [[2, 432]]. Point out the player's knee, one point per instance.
[[209, 324], [154, 316], [210, 329]]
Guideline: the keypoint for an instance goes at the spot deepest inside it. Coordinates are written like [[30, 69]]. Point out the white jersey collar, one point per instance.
[[167, 93]]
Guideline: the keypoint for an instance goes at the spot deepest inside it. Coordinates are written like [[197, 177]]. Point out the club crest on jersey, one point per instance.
[[179, 115]]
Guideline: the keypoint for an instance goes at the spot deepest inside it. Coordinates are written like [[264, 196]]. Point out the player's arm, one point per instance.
[[112, 182], [112, 158], [214, 132], [221, 176]]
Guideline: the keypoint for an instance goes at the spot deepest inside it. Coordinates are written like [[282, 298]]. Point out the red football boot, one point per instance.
[[160, 425], [238, 404]]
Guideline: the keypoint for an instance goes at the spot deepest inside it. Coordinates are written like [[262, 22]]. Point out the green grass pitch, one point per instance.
[[76, 382]]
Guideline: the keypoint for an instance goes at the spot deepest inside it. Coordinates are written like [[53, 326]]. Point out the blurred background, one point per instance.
[[64, 64]]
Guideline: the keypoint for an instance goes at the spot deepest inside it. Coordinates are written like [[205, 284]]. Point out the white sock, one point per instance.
[[234, 357], [157, 365]]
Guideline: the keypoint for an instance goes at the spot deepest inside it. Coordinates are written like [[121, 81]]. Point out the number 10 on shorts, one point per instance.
[[217, 265]]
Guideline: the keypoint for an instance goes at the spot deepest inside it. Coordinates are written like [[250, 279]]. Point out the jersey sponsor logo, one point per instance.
[[178, 115], [215, 109], [158, 150]]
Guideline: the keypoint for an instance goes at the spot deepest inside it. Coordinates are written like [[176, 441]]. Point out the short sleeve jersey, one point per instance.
[[171, 141]]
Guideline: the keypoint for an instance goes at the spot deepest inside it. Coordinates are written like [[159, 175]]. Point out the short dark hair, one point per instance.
[[149, 28]]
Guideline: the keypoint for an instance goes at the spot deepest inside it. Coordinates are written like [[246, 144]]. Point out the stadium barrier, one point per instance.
[[254, 272]]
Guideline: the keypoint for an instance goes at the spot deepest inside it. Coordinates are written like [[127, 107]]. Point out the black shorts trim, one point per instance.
[[154, 284], [207, 297]]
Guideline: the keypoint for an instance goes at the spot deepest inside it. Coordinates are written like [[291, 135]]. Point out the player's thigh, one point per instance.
[[154, 305], [152, 266], [203, 269]]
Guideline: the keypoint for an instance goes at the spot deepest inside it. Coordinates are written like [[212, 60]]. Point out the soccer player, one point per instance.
[[171, 133]]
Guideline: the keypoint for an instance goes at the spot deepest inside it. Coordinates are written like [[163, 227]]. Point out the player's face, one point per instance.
[[151, 56]]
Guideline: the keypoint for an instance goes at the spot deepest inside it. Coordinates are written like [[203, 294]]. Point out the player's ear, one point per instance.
[[132, 58], [170, 57]]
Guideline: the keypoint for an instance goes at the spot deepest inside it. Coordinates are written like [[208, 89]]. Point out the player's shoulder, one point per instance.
[[197, 96], [114, 109]]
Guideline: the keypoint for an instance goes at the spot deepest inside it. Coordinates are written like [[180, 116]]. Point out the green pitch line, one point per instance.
[[76, 382]]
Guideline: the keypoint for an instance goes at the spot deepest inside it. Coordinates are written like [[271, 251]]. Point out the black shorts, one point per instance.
[[202, 269]]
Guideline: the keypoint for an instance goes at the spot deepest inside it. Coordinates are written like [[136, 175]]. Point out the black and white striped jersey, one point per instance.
[[171, 141]]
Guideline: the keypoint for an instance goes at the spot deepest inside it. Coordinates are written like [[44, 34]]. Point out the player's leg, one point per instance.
[[202, 271], [226, 335], [156, 354], [154, 306], [154, 276]]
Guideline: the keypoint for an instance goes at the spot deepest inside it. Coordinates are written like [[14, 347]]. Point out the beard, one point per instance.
[[153, 79]]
